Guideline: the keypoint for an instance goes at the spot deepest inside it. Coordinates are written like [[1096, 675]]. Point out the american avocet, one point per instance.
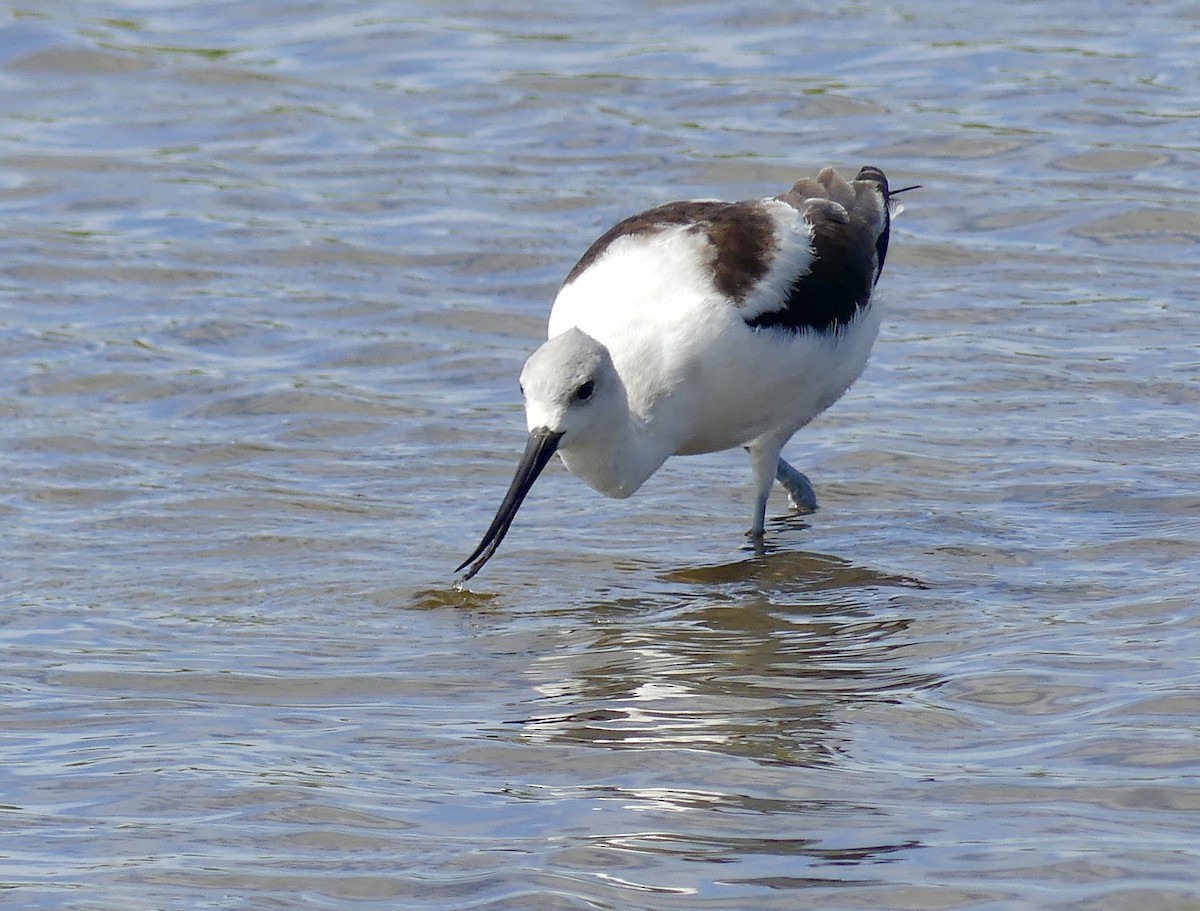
[[699, 326]]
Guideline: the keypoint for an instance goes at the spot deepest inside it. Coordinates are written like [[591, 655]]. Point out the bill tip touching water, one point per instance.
[[699, 326]]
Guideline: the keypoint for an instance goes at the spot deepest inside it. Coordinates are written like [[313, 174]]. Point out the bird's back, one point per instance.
[[751, 316]]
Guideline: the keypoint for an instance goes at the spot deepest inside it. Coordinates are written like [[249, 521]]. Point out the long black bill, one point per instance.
[[541, 446]]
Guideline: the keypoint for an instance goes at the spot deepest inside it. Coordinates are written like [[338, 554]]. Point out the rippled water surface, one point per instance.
[[268, 275]]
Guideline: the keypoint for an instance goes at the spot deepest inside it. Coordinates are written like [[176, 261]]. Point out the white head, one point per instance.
[[573, 398], [571, 387]]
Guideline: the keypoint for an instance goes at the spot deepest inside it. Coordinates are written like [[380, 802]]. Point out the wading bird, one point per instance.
[[699, 326]]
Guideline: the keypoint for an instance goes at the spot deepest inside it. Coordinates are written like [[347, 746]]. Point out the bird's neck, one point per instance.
[[617, 459]]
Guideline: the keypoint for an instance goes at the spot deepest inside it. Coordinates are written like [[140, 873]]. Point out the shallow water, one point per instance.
[[269, 273]]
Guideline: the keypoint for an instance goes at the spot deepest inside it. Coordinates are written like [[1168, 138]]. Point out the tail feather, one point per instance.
[[874, 177]]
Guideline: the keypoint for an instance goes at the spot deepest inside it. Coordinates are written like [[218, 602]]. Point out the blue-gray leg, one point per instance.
[[800, 490], [764, 460], [768, 468]]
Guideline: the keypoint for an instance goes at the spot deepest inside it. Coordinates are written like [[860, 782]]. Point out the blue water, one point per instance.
[[268, 275]]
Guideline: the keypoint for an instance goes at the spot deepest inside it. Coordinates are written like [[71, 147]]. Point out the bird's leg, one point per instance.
[[764, 460], [796, 483]]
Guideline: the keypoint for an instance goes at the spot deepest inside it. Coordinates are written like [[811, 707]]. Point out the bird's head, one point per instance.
[[572, 395], [570, 387]]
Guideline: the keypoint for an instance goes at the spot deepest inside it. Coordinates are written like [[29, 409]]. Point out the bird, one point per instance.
[[699, 326]]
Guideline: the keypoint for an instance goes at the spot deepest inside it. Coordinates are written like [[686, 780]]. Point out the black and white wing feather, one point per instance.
[[847, 224], [803, 261]]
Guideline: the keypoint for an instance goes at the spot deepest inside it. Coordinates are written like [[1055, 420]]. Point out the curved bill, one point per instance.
[[541, 446]]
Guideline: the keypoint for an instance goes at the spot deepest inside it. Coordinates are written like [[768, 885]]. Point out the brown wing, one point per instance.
[[850, 229]]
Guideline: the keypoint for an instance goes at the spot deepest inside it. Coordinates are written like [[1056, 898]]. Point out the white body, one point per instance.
[[700, 326], [696, 378]]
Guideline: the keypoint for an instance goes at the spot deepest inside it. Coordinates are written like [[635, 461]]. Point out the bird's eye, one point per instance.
[[584, 392], [521, 386]]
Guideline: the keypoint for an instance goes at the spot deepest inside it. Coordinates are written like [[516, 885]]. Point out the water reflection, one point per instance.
[[695, 847], [757, 657], [789, 571]]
